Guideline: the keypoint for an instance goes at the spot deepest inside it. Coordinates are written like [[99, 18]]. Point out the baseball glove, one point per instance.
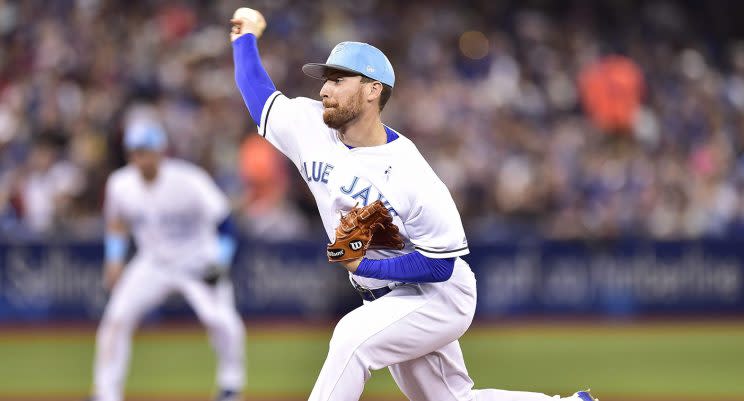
[[368, 227], [214, 274]]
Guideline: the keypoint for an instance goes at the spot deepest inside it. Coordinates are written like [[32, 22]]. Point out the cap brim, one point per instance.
[[318, 70], [139, 148]]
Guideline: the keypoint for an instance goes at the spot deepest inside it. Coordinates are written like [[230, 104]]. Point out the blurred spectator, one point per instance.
[[43, 187], [266, 212], [611, 90]]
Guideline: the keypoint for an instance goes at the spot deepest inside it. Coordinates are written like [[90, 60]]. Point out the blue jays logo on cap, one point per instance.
[[358, 58], [145, 136]]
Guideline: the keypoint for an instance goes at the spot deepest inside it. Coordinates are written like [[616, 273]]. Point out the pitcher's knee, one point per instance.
[[351, 346], [346, 334]]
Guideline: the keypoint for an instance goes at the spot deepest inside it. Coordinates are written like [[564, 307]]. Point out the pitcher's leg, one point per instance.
[[408, 323], [505, 395], [442, 376], [138, 292], [390, 330], [368, 338], [215, 307]]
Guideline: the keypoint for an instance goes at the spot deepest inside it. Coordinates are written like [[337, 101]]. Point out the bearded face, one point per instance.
[[339, 112]]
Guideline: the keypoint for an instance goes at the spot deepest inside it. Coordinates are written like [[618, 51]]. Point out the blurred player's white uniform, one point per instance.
[[173, 220]]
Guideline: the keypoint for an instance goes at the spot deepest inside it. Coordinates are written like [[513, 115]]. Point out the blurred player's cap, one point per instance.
[[144, 136], [358, 58]]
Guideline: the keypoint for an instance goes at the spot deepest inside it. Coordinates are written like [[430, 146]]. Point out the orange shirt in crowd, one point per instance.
[[611, 90]]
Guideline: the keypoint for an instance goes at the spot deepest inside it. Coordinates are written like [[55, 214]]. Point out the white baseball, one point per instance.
[[254, 17], [247, 13]]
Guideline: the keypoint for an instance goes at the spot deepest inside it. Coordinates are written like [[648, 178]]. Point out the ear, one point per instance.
[[374, 91]]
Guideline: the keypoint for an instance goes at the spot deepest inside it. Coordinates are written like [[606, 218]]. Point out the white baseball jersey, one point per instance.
[[340, 178], [173, 219]]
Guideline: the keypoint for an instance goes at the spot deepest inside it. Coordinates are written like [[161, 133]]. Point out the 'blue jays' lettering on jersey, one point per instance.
[[318, 171], [365, 194]]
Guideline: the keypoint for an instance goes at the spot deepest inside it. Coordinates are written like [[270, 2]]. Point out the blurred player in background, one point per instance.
[[419, 300], [185, 241]]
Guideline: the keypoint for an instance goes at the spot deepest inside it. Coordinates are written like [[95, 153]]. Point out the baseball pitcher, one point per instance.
[[419, 295], [185, 242]]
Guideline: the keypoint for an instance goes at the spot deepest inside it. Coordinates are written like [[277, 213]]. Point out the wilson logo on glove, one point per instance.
[[368, 227], [334, 253]]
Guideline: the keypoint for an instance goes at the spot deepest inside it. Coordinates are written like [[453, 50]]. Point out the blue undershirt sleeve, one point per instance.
[[411, 268], [253, 82]]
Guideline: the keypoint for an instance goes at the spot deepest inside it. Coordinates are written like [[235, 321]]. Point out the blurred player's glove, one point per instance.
[[368, 227], [214, 274]]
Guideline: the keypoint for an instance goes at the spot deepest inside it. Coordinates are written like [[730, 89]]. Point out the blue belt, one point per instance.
[[372, 294]]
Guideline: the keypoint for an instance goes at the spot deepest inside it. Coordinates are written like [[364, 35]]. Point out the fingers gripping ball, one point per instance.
[[247, 20], [368, 227]]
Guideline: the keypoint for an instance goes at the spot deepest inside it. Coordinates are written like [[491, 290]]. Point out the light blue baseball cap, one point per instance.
[[357, 58], [145, 136]]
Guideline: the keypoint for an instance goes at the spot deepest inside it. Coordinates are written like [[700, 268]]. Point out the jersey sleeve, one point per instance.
[[112, 202], [434, 225], [285, 122], [214, 202]]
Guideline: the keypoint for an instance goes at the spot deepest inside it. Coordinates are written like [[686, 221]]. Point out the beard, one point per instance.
[[336, 116]]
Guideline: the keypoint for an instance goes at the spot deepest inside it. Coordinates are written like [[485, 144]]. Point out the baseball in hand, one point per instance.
[[247, 20]]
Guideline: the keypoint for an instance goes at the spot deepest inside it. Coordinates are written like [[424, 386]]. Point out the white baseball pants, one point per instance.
[[413, 331], [142, 287]]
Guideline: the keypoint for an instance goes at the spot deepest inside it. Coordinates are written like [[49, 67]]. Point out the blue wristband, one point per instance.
[[115, 247], [227, 240], [227, 246]]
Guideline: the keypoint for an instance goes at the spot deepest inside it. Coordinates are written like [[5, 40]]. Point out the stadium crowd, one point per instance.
[[502, 98]]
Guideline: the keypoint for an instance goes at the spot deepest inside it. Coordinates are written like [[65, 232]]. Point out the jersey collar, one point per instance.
[[391, 136]]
